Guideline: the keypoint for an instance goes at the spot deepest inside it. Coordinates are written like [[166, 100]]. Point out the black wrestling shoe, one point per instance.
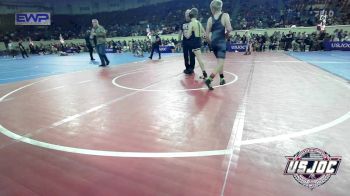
[[222, 81], [205, 76], [208, 83]]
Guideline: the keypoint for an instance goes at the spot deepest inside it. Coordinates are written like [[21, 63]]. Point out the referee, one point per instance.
[[189, 56]]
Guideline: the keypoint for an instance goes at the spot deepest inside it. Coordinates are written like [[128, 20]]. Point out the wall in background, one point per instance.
[[72, 7]]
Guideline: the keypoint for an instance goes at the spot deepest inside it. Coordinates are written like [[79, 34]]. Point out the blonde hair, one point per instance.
[[216, 5]]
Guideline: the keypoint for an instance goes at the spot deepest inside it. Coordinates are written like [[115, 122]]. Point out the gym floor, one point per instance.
[[142, 127]]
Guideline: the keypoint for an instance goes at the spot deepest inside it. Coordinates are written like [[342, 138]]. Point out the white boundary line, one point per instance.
[[235, 141], [112, 153], [164, 90], [9, 99], [282, 137], [234, 145], [86, 81]]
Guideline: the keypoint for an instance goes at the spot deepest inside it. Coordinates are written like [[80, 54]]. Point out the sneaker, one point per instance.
[[222, 81], [102, 65], [208, 83]]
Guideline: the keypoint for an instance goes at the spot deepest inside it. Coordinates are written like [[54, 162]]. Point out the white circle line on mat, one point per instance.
[[114, 81]]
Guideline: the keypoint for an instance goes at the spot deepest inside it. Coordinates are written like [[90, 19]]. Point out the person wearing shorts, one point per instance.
[[218, 27]]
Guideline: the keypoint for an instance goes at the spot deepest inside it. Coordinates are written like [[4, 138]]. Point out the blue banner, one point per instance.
[[163, 49], [236, 47], [344, 46], [166, 49]]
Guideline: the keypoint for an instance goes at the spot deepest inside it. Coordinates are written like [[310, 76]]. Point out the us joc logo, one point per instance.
[[312, 167]]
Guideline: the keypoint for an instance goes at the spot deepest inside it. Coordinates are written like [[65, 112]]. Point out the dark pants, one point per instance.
[[101, 50], [24, 53], [189, 57], [262, 47], [155, 47], [91, 51]]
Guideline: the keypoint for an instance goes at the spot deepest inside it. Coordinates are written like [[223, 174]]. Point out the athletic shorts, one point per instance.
[[195, 43], [219, 50]]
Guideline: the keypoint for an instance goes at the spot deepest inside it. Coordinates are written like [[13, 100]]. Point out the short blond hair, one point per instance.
[[216, 5]]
